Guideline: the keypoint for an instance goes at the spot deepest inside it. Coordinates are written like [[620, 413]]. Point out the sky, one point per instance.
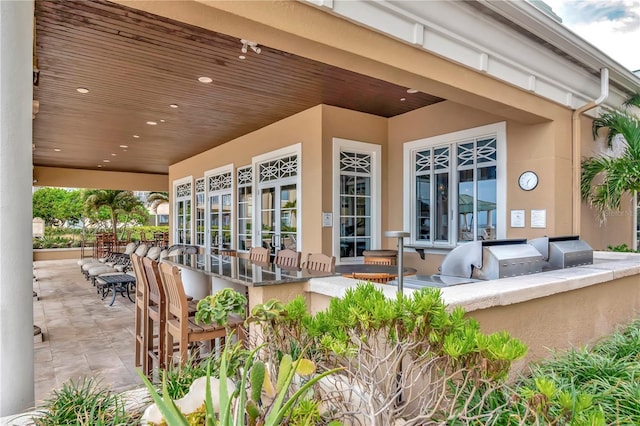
[[612, 26]]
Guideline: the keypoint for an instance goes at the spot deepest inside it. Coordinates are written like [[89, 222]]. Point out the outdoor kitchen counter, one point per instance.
[[553, 310], [607, 266], [242, 271]]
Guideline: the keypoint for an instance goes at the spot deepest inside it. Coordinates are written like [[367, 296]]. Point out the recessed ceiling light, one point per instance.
[[106, 161], [152, 123], [82, 90], [99, 165], [113, 155], [242, 57], [205, 79], [162, 121], [124, 146], [57, 149], [412, 90], [173, 105], [136, 136], [403, 99]]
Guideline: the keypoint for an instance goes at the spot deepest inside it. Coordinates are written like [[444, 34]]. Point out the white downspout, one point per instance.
[[575, 145]]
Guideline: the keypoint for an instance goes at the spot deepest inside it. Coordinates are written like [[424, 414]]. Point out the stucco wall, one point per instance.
[[304, 128], [56, 254], [94, 179], [356, 126], [618, 225], [564, 320]]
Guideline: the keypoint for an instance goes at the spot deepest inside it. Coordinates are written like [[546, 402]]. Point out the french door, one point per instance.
[[220, 219], [277, 204], [279, 215], [220, 208]]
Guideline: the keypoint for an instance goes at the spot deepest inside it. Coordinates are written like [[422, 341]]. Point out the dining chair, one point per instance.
[[320, 262], [156, 318], [259, 254], [374, 277], [157, 315], [141, 318], [287, 258], [179, 326]]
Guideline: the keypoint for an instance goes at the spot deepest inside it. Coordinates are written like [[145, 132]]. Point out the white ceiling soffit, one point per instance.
[[459, 32]]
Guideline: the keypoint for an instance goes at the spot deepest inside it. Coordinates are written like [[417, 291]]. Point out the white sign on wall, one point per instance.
[[517, 218], [539, 218]]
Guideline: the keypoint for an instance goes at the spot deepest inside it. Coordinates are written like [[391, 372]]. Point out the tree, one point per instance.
[[119, 204], [605, 178], [57, 205], [155, 199], [47, 204]]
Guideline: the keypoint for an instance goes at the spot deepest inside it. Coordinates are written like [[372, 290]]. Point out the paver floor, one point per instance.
[[83, 335]]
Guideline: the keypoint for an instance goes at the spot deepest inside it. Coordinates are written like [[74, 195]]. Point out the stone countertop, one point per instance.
[[607, 266], [242, 271]]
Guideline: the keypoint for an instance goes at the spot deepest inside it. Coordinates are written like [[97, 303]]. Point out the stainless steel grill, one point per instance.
[[490, 260], [508, 258], [563, 252]]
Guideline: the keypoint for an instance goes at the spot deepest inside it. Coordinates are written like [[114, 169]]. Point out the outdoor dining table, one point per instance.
[[363, 268], [119, 283]]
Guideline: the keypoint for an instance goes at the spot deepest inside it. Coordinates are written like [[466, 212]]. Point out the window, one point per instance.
[[453, 186], [182, 206], [219, 198], [357, 194], [245, 207], [200, 212], [277, 200]]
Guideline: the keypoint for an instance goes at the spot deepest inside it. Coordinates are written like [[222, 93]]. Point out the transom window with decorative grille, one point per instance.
[[357, 199], [455, 191], [182, 205], [245, 207], [220, 200], [200, 212]]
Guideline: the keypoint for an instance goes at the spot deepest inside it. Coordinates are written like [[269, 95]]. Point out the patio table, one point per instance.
[[119, 283], [392, 270]]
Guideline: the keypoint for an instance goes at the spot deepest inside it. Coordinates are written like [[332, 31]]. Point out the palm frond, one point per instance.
[[634, 100]]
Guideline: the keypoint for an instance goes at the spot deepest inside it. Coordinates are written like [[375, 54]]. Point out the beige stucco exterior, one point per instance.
[[93, 179], [539, 131]]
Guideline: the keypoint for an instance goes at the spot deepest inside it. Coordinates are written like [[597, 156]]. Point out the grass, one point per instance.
[[588, 386], [85, 402]]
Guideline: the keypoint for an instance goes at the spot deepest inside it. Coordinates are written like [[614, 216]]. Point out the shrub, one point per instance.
[[84, 402], [405, 358], [577, 387]]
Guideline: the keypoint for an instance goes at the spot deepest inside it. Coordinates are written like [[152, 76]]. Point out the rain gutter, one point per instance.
[[575, 145]]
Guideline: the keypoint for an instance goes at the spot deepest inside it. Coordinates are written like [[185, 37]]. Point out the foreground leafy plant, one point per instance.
[[84, 402], [233, 409], [399, 354], [215, 308], [578, 387]]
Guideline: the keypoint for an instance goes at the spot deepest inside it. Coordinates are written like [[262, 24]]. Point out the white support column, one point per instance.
[[16, 178]]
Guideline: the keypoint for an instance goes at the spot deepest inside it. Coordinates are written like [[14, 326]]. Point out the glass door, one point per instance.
[[220, 220], [278, 216], [276, 211], [220, 210], [182, 206]]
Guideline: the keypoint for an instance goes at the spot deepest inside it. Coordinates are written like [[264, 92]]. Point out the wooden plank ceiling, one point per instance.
[[135, 65]]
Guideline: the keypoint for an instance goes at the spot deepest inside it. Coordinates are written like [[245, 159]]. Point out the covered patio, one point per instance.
[[152, 95], [82, 335]]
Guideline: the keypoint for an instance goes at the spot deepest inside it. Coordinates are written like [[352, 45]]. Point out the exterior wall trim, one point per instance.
[[500, 130], [295, 149], [207, 220], [449, 29], [376, 176]]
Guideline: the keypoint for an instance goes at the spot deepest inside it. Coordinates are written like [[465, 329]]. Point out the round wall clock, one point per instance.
[[528, 180]]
